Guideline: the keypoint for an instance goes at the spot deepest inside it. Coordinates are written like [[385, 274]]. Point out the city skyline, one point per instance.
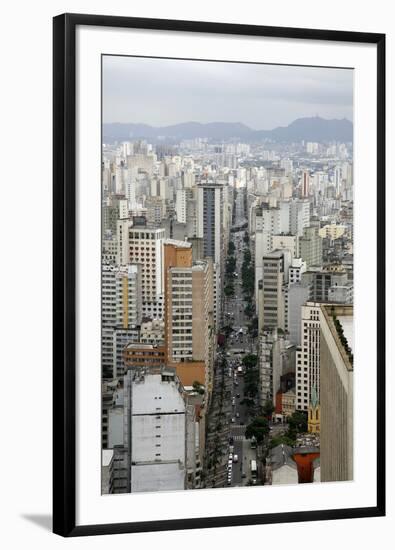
[[227, 344]]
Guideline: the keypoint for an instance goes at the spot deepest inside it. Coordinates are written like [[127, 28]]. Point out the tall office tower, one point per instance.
[[276, 359], [188, 180], [143, 245], [189, 335], [267, 223], [114, 209], [106, 179], [337, 179], [155, 430], [210, 228], [191, 217], [126, 148], [336, 453], [209, 222], [308, 356], [155, 210], [181, 205], [121, 179], [271, 305], [305, 184], [287, 164], [121, 312], [329, 284], [295, 296], [131, 186], [299, 211], [310, 246]]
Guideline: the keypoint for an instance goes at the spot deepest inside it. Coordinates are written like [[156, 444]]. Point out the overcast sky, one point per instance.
[[161, 92]]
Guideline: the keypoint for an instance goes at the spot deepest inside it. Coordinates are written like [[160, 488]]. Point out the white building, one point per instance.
[[181, 205], [308, 356], [144, 246], [297, 267], [296, 295], [155, 430]]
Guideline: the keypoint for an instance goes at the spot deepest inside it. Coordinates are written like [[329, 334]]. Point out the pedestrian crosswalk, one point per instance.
[[238, 437]]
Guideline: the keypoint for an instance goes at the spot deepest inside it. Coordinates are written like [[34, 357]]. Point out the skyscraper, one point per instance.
[[336, 353]]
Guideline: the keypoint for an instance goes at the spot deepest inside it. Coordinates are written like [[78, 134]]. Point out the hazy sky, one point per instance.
[[160, 92]]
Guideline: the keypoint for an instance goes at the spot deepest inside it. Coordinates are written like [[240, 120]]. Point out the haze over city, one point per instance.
[[163, 92]]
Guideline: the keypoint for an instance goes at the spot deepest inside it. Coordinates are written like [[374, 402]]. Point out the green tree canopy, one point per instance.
[[297, 423], [259, 428], [250, 360], [268, 408]]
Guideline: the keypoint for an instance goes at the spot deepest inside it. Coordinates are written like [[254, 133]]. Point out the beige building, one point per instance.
[[332, 231], [144, 246], [288, 403], [336, 347], [189, 320], [152, 332], [286, 242]]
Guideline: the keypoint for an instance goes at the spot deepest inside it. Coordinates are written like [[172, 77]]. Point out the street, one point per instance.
[[229, 453]]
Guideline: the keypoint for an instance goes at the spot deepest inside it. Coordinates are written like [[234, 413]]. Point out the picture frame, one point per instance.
[[67, 294]]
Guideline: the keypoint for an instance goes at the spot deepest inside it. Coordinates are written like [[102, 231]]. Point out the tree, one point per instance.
[[250, 360], [232, 247], [229, 290], [259, 428], [297, 423], [268, 409]]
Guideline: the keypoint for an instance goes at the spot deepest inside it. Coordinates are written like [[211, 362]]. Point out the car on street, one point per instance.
[[233, 420]]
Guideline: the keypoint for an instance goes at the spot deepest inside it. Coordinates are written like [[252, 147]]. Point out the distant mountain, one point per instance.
[[314, 129], [309, 129]]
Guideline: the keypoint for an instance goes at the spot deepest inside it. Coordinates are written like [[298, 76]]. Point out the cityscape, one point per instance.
[[227, 275]]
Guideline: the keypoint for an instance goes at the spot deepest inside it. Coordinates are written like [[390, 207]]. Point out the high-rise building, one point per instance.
[[296, 295], [144, 246], [212, 229], [181, 205], [310, 246], [121, 313], [276, 358], [305, 184], [329, 284], [115, 208], [271, 305], [189, 321], [155, 430], [308, 356], [337, 344], [209, 226]]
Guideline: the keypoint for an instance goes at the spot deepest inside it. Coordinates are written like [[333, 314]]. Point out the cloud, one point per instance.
[[167, 91]]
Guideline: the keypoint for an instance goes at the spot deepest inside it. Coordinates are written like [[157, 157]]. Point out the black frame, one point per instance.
[[64, 269]]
